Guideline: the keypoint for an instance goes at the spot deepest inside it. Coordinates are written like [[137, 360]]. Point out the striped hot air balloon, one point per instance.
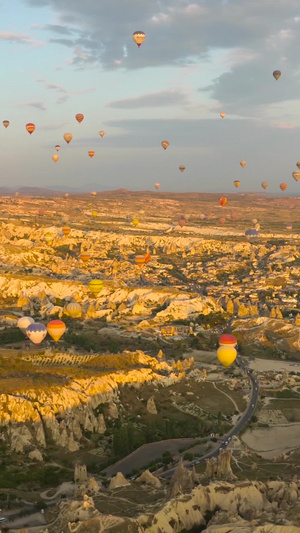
[[139, 260], [56, 329], [30, 127], [57, 147], [227, 339], [73, 309], [139, 37], [147, 258], [165, 144], [91, 153], [85, 257], [96, 286], [79, 117], [66, 231]]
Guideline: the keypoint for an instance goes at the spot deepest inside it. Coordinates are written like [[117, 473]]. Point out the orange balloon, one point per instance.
[[79, 117], [264, 184], [222, 115], [91, 153], [68, 137], [156, 186], [223, 201], [85, 257], [222, 220], [30, 127], [139, 260], [283, 186], [101, 133], [5, 123], [55, 158], [243, 164], [165, 144]]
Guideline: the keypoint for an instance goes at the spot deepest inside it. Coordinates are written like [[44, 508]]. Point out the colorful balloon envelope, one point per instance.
[[283, 186], [251, 233], [236, 183], [30, 127], [298, 164], [101, 133], [135, 222], [233, 216], [222, 220], [222, 115], [165, 144], [243, 163], [94, 214], [181, 168], [68, 137], [296, 176], [73, 309], [93, 194], [56, 329], [223, 201], [264, 184], [139, 37], [79, 117], [227, 339], [139, 260], [226, 355], [147, 258], [85, 257], [55, 158], [91, 153], [276, 74], [66, 231], [24, 322], [5, 123], [36, 332], [96, 286], [157, 185], [57, 147]]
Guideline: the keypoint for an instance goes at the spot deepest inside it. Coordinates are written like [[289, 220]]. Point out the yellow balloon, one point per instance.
[[135, 222], [226, 355], [68, 137], [96, 286]]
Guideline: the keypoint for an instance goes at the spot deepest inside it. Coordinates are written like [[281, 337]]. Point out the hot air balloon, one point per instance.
[[289, 227], [264, 184], [181, 168], [66, 195], [56, 329], [48, 237], [94, 214], [79, 117], [227, 340], [222, 115], [30, 127], [139, 260], [55, 158], [283, 186], [233, 216], [5, 123], [298, 164], [165, 144], [68, 137], [101, 133], [222, 220], [66, 231], [138, 37], [276, 74], [296, 176], [36, 332], [135, 222], [157, 185], [91, 153], [96, 286], [147, 258], [85, 257], [57, 147], [223, 201], [24, 322], [73, 309], [254, 220], [236, 183], [251, 233], [226, 355], [181, 222], [243, 163], [41, 212], [93, 194], [257, 227]]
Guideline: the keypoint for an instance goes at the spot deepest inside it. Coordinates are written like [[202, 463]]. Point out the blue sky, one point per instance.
[[199, 58]]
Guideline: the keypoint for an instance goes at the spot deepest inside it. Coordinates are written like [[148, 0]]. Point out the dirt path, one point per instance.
[[235, 405]]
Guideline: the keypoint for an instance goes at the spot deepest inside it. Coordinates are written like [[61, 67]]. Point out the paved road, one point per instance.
[[224, 441]]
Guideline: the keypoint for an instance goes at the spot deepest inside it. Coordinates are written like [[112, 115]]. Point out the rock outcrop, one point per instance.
[[149, 479], [119, 480], [219, 467]]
